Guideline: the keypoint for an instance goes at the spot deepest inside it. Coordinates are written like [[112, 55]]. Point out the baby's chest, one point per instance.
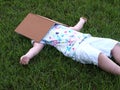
[[64, 34]]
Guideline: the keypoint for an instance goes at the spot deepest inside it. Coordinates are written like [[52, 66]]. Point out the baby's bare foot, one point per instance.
[[24, 60]]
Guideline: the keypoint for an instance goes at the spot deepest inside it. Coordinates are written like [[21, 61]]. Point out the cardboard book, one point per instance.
[[35, 26]]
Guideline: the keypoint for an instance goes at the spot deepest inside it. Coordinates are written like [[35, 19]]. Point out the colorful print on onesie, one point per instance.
[[64, 39]]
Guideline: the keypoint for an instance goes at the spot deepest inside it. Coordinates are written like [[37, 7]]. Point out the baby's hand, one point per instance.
[[83, 19], [24, 60]]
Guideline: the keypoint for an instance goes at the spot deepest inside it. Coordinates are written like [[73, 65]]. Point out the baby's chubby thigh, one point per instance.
[[87, 54]]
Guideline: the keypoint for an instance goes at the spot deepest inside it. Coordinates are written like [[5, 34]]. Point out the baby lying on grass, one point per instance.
[[79, 46]]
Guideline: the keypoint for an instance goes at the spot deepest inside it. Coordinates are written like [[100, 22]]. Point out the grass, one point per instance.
[[50, 70]]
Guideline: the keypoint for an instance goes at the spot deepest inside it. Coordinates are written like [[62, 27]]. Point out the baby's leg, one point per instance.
[[116, 53], [108, 65], [80, 24], [31, 53]]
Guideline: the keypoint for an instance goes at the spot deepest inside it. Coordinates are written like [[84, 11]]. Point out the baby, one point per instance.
[[79, 46]]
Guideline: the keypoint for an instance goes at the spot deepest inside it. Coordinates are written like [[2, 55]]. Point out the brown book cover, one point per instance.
[[35, 26]]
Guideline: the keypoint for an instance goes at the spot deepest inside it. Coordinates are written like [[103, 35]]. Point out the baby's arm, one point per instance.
[[80, 24], [37, 47]]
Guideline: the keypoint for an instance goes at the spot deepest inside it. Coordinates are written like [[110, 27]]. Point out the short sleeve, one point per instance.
[[42, 42]]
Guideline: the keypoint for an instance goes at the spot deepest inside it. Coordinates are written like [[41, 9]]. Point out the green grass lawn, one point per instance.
[[50, 70]]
